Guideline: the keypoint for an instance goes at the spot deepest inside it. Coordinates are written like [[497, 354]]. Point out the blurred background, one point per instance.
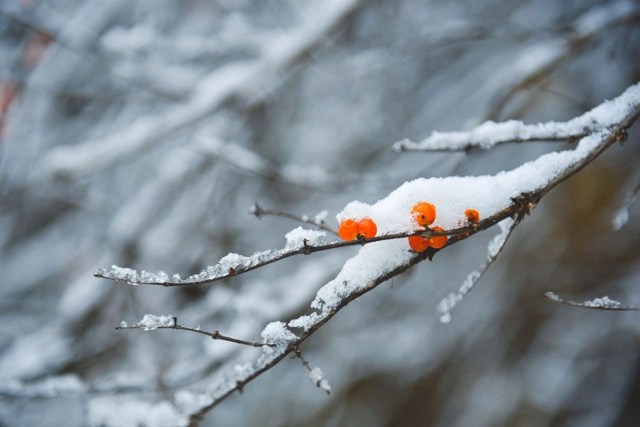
[[140, 133]]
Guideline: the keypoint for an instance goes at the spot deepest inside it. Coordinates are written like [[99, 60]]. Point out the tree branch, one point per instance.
[[259, 211], [174, 325], [490, 134], [604, 303]]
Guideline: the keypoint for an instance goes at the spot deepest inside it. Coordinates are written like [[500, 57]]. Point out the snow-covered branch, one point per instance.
[[490, 133], [605, 303], [151, 322]]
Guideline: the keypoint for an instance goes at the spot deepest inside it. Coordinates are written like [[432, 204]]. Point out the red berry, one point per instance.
[[438, 242], [348, 229], [424, 213], [367, 228], [472, 216], [419, 243]]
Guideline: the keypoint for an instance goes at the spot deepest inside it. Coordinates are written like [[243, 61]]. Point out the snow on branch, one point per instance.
[[495, 247], [490, 133], [151, 322], [605, 303], [299, 242]]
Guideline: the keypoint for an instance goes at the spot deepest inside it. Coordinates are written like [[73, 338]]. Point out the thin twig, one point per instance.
[[447, 304], [259, 211], [604, 303], [215, 334], [315, 373]]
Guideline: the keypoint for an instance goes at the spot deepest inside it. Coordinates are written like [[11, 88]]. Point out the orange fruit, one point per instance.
[[348, 229], [424, 213], [419, 243], [438, 242], [472, 216], [367, 228]]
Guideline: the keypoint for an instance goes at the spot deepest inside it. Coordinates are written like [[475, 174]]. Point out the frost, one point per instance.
[[318, 378], [300, 237], [151, 322], [124, 324]]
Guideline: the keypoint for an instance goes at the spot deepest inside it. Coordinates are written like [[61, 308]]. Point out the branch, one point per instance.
[[315, 373], [605, 303], [152, 322], [234, 264], [489, 134], [317, 221], [495, 248]]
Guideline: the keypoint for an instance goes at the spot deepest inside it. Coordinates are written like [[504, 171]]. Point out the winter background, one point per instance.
[[141, 133]]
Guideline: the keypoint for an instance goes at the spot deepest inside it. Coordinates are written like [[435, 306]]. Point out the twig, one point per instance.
[[315, 373], [604, 303], [215, 334], [259, 211], [495, 248]]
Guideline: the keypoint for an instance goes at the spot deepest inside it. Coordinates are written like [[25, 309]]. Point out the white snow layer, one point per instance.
[[491, 133], [300, 237]]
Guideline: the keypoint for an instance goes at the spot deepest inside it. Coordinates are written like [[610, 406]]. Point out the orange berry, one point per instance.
[[419, 243], [438, 242], [348, 229], [472, 216], [367, 228], [424, 213]]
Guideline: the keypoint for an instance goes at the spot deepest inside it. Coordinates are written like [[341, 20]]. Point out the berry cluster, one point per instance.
[[424, 214], [350, 229]]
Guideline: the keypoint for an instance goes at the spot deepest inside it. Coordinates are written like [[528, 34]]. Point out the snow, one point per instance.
[[621, 218], [318, 378], [604, 302], [300, 237], [152, 322], [490, 133], [68, 384], [321, 217], [278, 334]]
